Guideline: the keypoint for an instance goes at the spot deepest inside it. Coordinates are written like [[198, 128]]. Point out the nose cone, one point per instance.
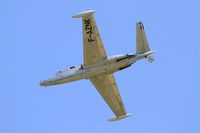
[[42, 83]]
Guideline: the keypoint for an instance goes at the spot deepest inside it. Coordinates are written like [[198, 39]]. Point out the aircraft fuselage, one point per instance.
[[109, 65]]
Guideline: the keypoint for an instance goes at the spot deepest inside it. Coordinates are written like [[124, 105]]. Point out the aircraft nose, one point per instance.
[[42, 83]]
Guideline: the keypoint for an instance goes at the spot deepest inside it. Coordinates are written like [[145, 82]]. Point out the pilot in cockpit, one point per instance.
[[72, 67], [59, 73]]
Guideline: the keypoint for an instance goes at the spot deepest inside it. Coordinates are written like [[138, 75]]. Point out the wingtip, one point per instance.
[[84, 13], [116, 118]]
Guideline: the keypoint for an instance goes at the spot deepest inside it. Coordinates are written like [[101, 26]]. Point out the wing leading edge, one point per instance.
[[107, 87], [93, 47]]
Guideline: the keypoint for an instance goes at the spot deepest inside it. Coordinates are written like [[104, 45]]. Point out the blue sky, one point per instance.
[[39, 38]]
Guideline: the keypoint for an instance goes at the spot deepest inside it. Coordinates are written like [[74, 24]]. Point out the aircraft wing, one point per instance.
[[107, 87], [93, 47]]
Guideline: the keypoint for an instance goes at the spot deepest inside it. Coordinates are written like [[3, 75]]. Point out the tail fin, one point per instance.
[[142, 45], [141, 40]]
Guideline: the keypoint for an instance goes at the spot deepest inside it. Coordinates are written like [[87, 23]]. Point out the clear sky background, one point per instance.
[[39, 38]]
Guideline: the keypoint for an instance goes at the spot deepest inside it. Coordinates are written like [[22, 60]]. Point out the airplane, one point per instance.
[[99, 68]]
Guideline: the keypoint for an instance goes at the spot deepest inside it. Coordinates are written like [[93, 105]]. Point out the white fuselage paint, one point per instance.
[[110, 65]]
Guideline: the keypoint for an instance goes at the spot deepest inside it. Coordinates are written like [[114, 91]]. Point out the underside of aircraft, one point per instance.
[[99, 68]]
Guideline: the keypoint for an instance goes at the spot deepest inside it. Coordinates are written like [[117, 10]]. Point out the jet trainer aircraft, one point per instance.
[[99, 68]]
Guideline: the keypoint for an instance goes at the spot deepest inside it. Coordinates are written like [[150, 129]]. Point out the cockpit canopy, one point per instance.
[[59, 73], [69, 70]]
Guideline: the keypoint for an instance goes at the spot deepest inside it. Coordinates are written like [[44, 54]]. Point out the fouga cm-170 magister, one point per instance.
[[99, 68]]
